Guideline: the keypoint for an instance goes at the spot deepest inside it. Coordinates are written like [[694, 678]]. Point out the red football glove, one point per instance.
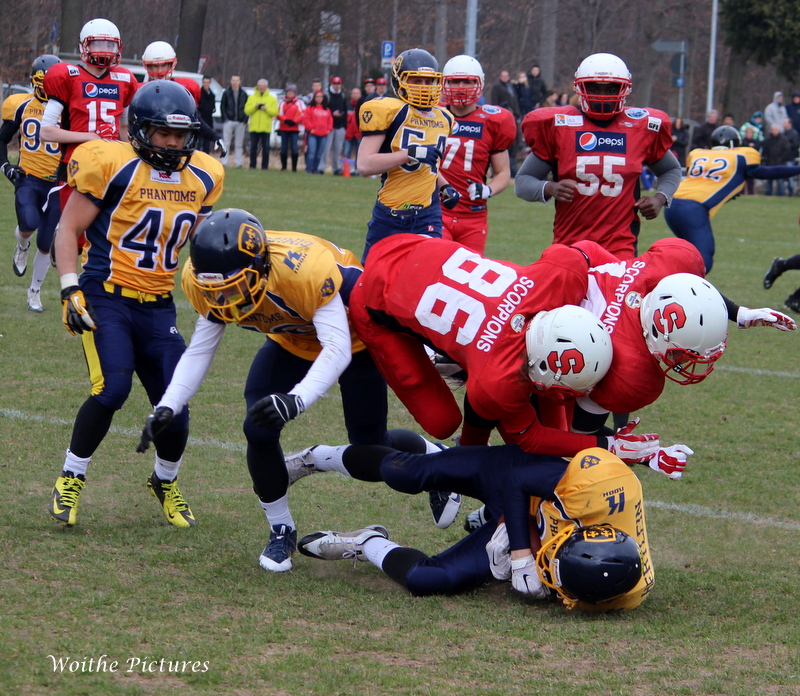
[[671, 461], [747, 318], [633, 449], [107, 131]]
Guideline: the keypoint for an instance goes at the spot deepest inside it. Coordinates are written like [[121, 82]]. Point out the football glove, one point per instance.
[[525, 578], [76, 311], [632, 449], [424, 154], [159, 419], [449, 196], [106, 131], [223, 151], [12, 172], [276, 410], [671, 461], [478, 191], [499, 556], [746, 318]]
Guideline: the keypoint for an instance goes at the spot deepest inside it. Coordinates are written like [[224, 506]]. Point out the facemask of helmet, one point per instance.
[[410, 65]]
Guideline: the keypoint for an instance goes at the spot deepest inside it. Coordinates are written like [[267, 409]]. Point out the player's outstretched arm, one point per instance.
[[371, 160]]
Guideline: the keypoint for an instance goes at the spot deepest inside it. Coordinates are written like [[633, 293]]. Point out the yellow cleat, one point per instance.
[[176, 509], [66, 495]]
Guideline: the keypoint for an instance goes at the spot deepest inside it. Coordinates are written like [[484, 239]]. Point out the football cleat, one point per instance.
[[775, 271], [476, 519], [35, 300], [335, 546], [444, 507], [176, 509], [793, 302], [277, 556], [66, 495], [20, 262], [299, 464]]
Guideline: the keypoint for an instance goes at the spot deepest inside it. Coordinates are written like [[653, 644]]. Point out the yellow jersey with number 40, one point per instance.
[[402, 126], [598, 488], [713, 177], [306, 273], [145, 215]]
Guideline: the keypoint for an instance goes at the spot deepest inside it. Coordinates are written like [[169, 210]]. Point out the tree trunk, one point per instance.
[[190, 34], [732, 96], [71, 24]]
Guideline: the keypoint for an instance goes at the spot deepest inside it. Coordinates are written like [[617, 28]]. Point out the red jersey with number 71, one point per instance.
[[91, 104], [606, 162]]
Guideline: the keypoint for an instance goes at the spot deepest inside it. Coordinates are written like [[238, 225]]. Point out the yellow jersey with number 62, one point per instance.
[[713, 177], [402, 126], [306, 272], [598, 488], [145, 215]]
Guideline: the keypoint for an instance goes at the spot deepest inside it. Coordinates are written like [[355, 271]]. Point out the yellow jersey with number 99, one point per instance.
[[713, 177], [402, 126], [598, 488], [145, 215]]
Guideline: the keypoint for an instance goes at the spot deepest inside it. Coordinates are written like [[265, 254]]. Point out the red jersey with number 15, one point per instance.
[[91, 104], [476, 137], [606, 161]]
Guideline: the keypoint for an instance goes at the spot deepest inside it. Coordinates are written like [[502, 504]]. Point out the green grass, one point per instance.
[[722, 618]]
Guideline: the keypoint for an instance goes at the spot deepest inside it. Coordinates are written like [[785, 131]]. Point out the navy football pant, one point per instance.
[[689, 220], [384, 223], [37, 210]]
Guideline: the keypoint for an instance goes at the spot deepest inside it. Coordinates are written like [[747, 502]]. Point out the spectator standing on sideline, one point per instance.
[[793, 137], [205, 109], [352, 134], [701, 139], [290, 114], [749, 141], [261, 107], [793, 111], [775, 113], [756, 122], [380, 87], [334, 142], [680, 139], [776, 152], [367, 93], [316, 86], [234, 120], [503, 95], [537, 86], [524, 95], [318, 122]]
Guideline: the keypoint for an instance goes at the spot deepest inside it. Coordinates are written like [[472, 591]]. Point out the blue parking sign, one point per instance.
[[387, 54]]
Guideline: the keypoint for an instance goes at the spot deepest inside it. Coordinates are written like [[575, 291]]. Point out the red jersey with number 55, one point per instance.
[[476, 137], [606, 161], [91, 104], [615, 293]]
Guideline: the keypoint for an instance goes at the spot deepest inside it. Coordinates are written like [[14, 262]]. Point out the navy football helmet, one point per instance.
[[590, 564], [725, 137], [163, 104], [230, 263], [38, 69], [417, 62]]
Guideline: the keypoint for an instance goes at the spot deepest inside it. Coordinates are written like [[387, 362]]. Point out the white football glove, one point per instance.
[[746, 318], [671, 461], [632, 449], [499, 555], [478, 191], [525, 578]]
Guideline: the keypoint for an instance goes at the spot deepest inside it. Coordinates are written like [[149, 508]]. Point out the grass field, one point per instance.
[[722, 619]]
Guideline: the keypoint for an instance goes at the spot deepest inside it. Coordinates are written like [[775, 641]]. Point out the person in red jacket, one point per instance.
[[290, 115], [318, 122], [352, 134]]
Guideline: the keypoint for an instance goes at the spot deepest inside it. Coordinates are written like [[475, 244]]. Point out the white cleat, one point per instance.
[[335, 546], [35, 301], [20, 263], [299, 464]]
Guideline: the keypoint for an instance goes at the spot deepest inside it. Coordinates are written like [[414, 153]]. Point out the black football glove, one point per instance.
[[76, 311], [223, 151], [155, 424], [424, 154], [276, 410], [449, 196], [12, 172]]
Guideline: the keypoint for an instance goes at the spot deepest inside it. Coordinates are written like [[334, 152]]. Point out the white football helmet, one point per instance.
[[591, 78], [569, 351], [104, 31], [462, 68], [159, 60], [685, 325]]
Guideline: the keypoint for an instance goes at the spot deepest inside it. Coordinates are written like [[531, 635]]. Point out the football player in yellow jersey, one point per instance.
[[294, 288], [33, 178], [713, 177], [403, 139], [137, 204], [583, 520]]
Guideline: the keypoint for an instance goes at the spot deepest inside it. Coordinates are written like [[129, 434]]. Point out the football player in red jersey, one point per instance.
[[91, 97], [596, 154], [481, 137]]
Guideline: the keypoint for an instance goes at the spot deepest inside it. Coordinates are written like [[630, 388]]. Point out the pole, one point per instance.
[[472, 27], [712, 54]]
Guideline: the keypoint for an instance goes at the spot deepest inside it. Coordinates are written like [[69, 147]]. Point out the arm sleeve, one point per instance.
[[333, 332], [207, 132], [776, 172], [7, 131], [193, 366], [52, 113], [732, 307], [668, 171], [530, 180]]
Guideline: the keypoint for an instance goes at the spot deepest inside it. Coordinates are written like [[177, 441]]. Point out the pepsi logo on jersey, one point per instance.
[[468, 129], [92, 91], [586, 141]]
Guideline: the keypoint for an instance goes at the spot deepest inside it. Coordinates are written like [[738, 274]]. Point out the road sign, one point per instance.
[[669, 46], [387, 54]]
